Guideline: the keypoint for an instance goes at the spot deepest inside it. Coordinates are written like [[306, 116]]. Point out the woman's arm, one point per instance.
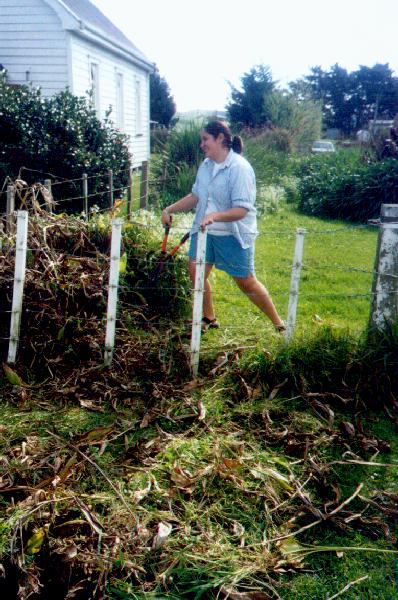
[[232, 214], [183, 205]]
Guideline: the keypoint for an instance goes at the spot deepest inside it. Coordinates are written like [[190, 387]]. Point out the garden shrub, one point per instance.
[[269, 165], [268, 199], [342, 186], [176, 165], [60, 137]]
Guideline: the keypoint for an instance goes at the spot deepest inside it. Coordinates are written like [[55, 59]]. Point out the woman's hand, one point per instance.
[[209, 219], [166, 217]]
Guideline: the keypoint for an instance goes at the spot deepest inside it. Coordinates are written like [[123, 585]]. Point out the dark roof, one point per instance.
[[91, 15]]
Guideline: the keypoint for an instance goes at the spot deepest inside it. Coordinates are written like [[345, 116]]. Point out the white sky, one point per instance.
[[199, 46]]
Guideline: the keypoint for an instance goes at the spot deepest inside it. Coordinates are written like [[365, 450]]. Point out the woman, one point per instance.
[[224, 196]]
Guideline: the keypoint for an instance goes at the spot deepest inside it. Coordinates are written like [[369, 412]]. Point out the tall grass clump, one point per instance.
[[343, 186], [175, 166], [335, 363]]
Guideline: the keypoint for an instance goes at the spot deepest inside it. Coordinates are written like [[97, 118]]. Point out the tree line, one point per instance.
[[345, 100]]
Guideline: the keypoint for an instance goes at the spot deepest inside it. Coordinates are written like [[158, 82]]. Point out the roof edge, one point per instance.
[[96, 38], [70, 20]]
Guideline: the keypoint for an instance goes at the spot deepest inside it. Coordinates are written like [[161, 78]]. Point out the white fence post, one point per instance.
[[85, 195], [19, 281], [10, 210], [198, 301], [294, 283], [112, 290], [385, 282]]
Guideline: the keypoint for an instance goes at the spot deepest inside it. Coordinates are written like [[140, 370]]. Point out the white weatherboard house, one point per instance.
[[58, 44]]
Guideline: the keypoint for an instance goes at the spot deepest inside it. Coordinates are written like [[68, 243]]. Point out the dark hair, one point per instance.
[[214, 128]]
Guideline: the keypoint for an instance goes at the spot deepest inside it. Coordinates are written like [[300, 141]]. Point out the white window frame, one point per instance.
[[119, 105], [138, 107], [94, 86]]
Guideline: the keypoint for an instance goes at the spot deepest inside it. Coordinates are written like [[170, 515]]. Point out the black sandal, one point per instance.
[[280, 328], [209, 324]]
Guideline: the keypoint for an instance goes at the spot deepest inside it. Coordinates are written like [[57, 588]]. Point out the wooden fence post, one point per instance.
[[10, 227], [85, 195], [130, 195], [294, 283], [384, 310], [112, 290], [144, 185], [198, 301], [19, 281], [110, 185]]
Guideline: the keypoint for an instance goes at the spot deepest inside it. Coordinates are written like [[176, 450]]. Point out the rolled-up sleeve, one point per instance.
[[243, 187]]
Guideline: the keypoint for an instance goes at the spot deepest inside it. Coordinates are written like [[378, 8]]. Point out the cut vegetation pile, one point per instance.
[[62, 338]]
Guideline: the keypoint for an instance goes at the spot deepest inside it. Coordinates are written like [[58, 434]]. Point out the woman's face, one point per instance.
[[210, 145]]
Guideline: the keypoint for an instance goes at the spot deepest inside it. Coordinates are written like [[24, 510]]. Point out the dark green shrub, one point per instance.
[[342, 186], [60, 136]]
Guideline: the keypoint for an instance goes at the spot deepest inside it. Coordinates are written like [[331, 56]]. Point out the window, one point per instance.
[[138, 108], [119, 116], [94, 87]]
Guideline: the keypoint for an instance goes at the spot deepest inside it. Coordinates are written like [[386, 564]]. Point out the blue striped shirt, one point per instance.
[[234, 185]]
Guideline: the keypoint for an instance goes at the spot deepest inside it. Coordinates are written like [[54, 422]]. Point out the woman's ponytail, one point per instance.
[[237, 144]]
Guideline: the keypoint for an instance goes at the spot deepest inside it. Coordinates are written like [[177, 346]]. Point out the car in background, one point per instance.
[[320, 146]]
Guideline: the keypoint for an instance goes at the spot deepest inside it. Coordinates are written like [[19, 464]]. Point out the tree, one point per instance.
[[162, 105], [349, 100], [247, 106], [376, 93]]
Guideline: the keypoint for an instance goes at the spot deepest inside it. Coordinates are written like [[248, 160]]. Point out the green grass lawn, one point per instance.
[[336, 279]]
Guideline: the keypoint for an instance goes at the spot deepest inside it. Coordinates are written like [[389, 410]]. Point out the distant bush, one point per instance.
[[290, 185], [268, 199], [59, 136], [270, 166], [341, 186]]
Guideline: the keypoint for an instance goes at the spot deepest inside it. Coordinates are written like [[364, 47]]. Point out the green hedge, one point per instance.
[[60, 136], [343, 186]]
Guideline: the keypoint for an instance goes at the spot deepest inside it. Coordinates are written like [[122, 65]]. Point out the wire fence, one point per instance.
[[111, 323], [300, 270]]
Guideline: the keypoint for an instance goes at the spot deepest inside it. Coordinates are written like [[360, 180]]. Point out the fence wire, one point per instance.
[[309, 267]]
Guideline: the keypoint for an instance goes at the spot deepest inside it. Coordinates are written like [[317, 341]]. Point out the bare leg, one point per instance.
[[257, 293], [208, 308]]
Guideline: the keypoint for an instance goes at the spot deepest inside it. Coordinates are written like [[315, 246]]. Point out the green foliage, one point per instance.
[[176, 164], [342, 186], [350, 100], [300, 118], [268, 199], [163, 291], [63, 137], [269, 163], [162, 105], [247, 107]]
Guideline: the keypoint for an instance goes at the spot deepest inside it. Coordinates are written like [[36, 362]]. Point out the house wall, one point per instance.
[[82, 54], [33, 45]]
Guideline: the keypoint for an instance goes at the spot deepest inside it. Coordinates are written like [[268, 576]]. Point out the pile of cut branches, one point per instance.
[[63, 320]]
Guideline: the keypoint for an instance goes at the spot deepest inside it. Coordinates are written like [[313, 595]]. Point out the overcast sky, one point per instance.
[[199, 46]]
